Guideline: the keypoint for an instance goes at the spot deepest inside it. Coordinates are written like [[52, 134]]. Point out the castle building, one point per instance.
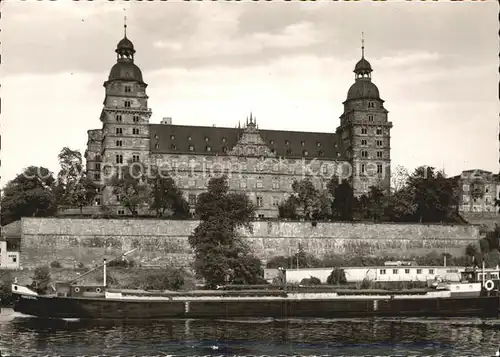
[[480, 189], [262, 163]]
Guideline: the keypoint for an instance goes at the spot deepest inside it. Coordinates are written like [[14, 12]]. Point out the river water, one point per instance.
[[25, 336]]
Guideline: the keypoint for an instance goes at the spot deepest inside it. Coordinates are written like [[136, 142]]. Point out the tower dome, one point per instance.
[[363, 87], [125, 68]]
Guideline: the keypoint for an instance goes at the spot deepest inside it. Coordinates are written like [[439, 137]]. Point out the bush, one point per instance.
[[366, 284], [55, 264], [279, 261], [5, 289], [41, 280], [165, 279], [121, 263], [310, 281], [337, 276]]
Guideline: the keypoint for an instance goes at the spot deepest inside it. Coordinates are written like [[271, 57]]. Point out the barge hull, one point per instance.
[[95, 308]]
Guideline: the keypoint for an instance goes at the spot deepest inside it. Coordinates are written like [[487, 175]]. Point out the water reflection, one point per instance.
[[355, 337]]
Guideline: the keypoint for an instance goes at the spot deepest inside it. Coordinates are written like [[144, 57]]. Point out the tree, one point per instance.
[[29, 194], [343, 199], [221, 256], [399, 177], [288, 208], [130, 187], [165, 196], [374, 204], [433, 195], [74, 187]]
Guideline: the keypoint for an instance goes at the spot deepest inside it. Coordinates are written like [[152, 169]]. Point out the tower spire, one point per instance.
[[362, 44], [125, 23]]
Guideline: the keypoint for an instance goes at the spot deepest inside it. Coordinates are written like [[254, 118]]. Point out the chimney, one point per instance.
[[167, 120]]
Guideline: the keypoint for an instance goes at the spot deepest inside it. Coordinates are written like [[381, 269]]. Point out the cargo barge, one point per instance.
[[476, 295]]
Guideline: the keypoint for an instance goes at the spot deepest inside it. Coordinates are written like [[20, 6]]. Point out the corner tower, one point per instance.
[[365, 132], [125, 115]]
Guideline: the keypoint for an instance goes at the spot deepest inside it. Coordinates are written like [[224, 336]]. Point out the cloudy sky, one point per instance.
[[436, 65]]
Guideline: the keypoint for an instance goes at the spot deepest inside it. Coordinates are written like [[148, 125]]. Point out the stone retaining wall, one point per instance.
[[71, 241]]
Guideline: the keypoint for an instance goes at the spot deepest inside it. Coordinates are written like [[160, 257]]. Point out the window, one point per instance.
[[382, 271], [173, 147], [276, 184], [118, 198], [271, 142], [98, 157], [259, 201], [305, 152], [364, 153], [364, 142], [243, 184], [259, 184], [119, 131], [97, 166], [431, 271], [127, 104], [118, 118], [370, 117], [261, 215], [128, 89], [192, 199], [371, 105], [273, 151], [380, 154], [379, 168], [189, 138], [318, 144], [379, 131], [121, 212], [119, 159], [419, 271], [157, 146], [363, 131], [206, 139], [191, 183], [302, 143], [362, 168], [324, 168], [224, 149], [208, 149], [97, 201], [320, 153], [135, 131], [287, 142], [97, 176], [407, 271], [135, 118], [223, 139], [119, 143], [289, 152], [135, 158], [379, 143], [394, 271]]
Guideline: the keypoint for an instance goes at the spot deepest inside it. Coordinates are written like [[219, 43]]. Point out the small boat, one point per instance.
[[476, 295]]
